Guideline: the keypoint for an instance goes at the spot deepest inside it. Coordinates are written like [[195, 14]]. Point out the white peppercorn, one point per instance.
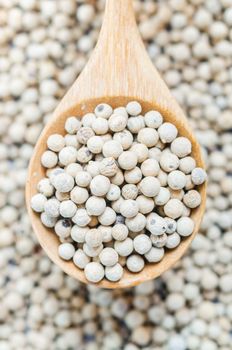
[[84, 155], [84, 134], [125, 138], [163, 196], [55, 142], [135, 263], [51, 207], [181, 147], [120, 232], [108, 217], [153, 119], [129, 191], [87, 119], [133, 176], [145, 204], [79, 195], [168, 161], [150, 167], [108, 167], [52, 173], [95, 144], [187, 164], [67, 209], [93, 238], [103, 110], [63, 228], [68, 155], [117, 122], [47, 220], [154, 153], [81, 218], [83, 178], [71, 141], [148, 137], [72, 125], [154, 255], [124, 248], [80, 259], [49, 159], [137, 223], [37, 202], [149, 186], [129, 208], [171, 225], [112, 148], [134, 124], [185, 226], [173, 241], [198, 176], [192, 199], [106, 233], [167, 132], [92, 252], [95, 205], [113, 193], [127, 160], [114, 273], [108, 257], [78, 233], [94, 272], [66, 251], [73, 169], [159, 241], [99, 185], [173, 208], [100, 126], [45, 187], [156, 224], [93, 168], [176, 180], [133, 108], [142, 244]]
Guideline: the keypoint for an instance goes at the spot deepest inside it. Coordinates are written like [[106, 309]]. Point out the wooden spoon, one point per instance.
[[118, 71]]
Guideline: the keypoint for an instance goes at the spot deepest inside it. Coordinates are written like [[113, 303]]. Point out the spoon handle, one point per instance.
[[119, 65], [119, 61], [119, 25]]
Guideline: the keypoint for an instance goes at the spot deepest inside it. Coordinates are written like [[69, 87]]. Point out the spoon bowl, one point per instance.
[[119, 71]]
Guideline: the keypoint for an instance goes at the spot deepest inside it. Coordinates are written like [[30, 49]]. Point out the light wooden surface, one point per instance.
[[118, 71]]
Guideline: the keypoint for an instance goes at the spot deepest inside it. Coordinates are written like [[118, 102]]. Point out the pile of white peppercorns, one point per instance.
[[119, 189]]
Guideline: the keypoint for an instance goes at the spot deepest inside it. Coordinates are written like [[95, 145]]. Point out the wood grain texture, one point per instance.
[[118, 71]]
